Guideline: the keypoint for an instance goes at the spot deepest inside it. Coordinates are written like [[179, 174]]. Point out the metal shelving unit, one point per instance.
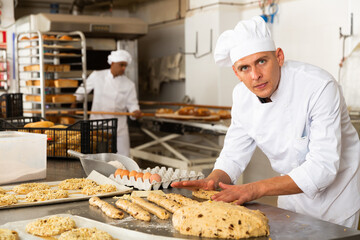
[[44, 58], [3, 71]]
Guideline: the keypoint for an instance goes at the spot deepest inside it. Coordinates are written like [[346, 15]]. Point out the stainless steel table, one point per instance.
[[283, 224]]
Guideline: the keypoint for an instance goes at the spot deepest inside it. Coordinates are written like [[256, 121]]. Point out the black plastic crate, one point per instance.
[[86, 136], [11, 105]]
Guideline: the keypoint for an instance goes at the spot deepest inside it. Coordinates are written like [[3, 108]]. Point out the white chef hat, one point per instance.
[[248, 37], [119, 56]]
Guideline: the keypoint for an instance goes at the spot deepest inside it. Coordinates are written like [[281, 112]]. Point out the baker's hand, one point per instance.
[[136, 114], [211, 182], [206, 184], [238, 194]]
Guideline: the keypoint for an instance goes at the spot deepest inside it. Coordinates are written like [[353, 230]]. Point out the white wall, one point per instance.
[[166, 36], [307, 30]]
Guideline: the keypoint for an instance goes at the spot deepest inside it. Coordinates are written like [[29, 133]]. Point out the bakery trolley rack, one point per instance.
[[41, 51]]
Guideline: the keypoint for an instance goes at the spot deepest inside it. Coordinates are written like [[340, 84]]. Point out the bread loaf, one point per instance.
[[37, 98], [59, 83], [186, 111], [40, 124], [64, 98], [66, 37], [220, 220], [224, 114], [48, 83], [203, 112], [164, 111]]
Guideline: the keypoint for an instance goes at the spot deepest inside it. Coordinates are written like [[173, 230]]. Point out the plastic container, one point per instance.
[[11, 105], [22, 156]]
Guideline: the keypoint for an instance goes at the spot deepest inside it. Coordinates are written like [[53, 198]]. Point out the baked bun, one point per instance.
[[34, 37], [186, 111], [164, 110], [203, 112], [224, 114], [24, 38], [65, 37], [51, 37]]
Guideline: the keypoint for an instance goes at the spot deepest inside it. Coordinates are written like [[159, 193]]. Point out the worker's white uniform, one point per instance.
[[112, 95], [306, 133]]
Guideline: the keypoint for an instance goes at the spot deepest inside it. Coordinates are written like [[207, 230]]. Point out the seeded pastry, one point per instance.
[[7, 199], [76, 183], [50, 226], [101, 189], [162, 201], [133, 209], [157, 211], [106, 207], [84, 234], [7, 234], [48, 194], [25, 188], [220, 220], [204, 194]]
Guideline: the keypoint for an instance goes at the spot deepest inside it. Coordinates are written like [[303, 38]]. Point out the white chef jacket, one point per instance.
[[112, 95], [306, 133]]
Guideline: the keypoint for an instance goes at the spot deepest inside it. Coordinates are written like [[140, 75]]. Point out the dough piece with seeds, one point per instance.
[[101, 189], [84, 234], [220, 220], [157, 211], [204, 194], [7, 234], [51, 226], [44, 195], [133, 209], [106, 207], [76, 183], [25, 188], [183, 201], [7, 199], [2, 191], [162, 201]]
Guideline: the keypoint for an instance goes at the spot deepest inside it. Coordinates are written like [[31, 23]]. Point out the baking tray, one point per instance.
[[116, 232], [74, 195]]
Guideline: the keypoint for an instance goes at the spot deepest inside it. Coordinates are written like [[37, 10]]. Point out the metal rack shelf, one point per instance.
[[51, 50]]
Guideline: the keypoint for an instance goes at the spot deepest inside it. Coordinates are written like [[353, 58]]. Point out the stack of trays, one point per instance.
[[168, 176]]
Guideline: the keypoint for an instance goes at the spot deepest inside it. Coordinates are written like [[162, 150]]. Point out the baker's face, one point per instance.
[[260, 72], [118, 68]]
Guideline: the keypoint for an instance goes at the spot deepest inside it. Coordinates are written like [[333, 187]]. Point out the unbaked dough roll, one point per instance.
[[157, 211], [220, 220], [184, 201], [133, 209], [107, 208], [162, 201]]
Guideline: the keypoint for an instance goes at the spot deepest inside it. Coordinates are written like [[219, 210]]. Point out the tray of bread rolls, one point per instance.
[[153, 178], [192, 113]]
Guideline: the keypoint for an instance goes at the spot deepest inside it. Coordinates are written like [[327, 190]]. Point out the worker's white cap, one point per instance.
[[248, 37], [119, 56]]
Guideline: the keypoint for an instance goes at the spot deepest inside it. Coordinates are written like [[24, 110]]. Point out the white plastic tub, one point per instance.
[[22, 156]]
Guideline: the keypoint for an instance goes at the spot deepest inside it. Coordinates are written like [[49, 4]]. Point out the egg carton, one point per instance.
[[168, 176]]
